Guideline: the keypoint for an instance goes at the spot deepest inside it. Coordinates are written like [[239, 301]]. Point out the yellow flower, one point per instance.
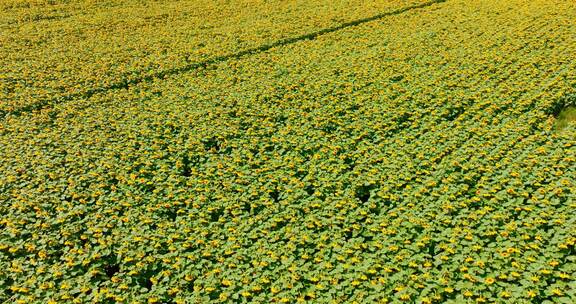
[[256, 288], [505, 294], [554, 263], [557, 292], [545, 271], [489, 281], [564, 276]]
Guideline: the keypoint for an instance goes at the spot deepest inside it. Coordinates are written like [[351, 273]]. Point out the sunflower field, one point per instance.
[[267, 151]]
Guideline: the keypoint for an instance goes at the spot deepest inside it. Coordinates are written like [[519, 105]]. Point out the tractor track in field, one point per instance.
[[47, 103]]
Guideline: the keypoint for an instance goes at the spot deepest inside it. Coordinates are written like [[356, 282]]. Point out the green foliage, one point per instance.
[[410, 159], [567, 117]]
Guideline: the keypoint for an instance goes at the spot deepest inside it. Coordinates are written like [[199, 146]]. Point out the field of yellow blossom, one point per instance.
[[253, 151]]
